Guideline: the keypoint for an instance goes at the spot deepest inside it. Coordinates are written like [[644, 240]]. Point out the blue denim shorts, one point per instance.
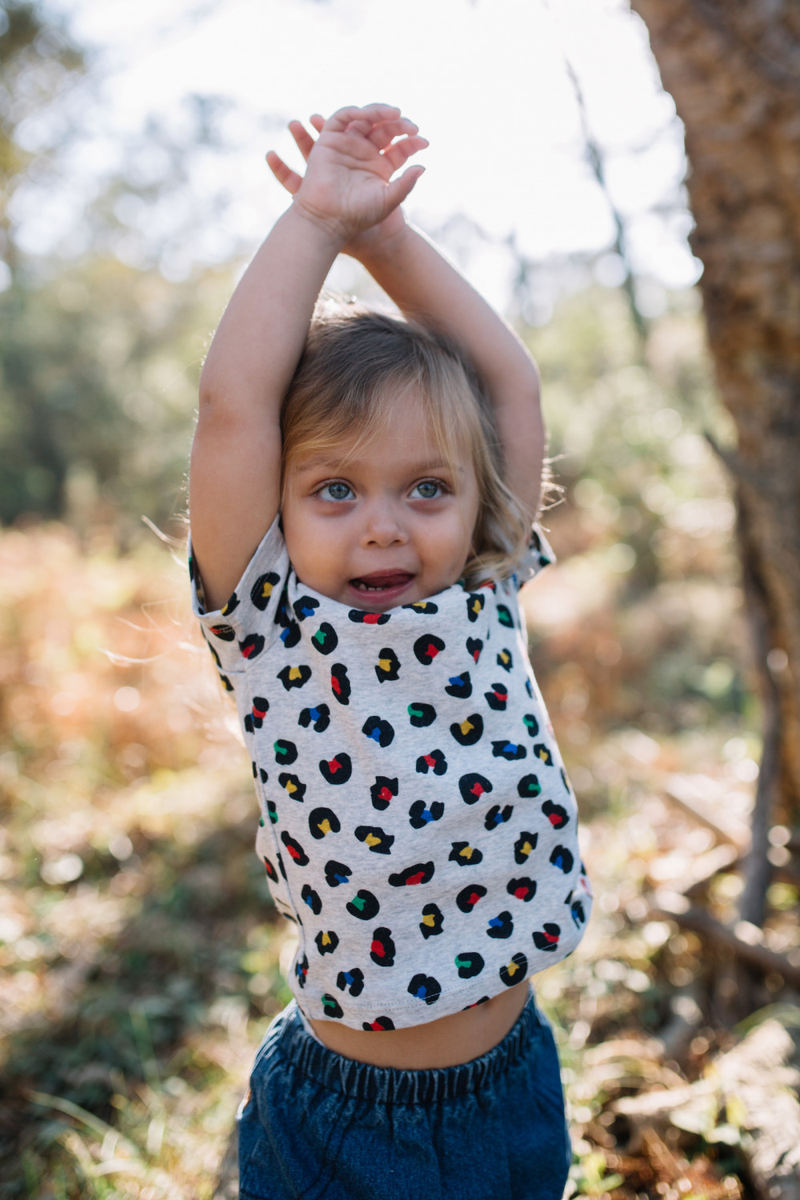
[[318, 1125]]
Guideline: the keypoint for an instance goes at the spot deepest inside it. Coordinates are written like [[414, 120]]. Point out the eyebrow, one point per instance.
[[338, 465]]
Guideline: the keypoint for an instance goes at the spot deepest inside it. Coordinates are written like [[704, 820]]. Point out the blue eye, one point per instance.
[[336, 491], [429, 489]]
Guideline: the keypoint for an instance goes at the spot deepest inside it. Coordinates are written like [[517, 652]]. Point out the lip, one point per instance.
[[392, 584]]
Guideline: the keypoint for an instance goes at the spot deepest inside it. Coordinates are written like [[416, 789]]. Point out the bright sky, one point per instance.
[[485, 80]]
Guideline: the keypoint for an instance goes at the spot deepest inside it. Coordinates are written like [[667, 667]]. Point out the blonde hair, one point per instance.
[[355, 365]]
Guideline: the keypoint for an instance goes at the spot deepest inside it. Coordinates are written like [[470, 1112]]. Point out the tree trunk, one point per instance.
[[733, 69]]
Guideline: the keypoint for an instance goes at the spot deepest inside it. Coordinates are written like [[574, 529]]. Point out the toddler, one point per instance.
[[362, 496]]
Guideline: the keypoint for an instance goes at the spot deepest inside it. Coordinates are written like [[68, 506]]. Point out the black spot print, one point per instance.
[[225, 633], [336, 770], [325, 639], [435, 761], [531, 724], [411, 876], [525, 846], [281, 867], [380, 731], [421, 814], [504, 616], [475, 605], [505, 660], [564, 779], [528, 787], [383, 791], [294, 850], [255, 718], [319, 718], [351, 981], [473, 786], [252, 646], [541, 752], [367, 618], [424, 607], [290, 634], [382, 950], [378, 841], [272, 812], [460, 686], [340, 684], [262, 590], [331, 1007], [468, 731], [562, 858], [556, 815], [326, 941], [262, 774], [364, 905], [514, 971], [501, 926], [578, 913], [226, 683], [469, 964], [427, 647], [425, 987], [301, 971], [322, 821], [294, 677], [522, 889], [304, 607], [469, 896], [271, 872], [388, 665], [421, 715], [292, 785], [547, 938], [497, 698], [474, 647], [336, 873], [495, 817], [432, 921], [311, 898], [285, 752], [464, 854], [529, 688], [482, 1000], [379, 1025], [231, 604], [510, 751]]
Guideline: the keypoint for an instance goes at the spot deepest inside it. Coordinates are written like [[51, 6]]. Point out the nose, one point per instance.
[[383, 525]]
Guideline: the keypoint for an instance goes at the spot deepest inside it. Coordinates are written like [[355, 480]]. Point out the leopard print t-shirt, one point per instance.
[[416, 820]]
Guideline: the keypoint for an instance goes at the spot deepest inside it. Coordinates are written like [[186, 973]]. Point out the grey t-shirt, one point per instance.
[[416, 820]]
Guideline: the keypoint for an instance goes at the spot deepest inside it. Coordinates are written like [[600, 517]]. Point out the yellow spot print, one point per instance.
[[526, 848], [543, 755], [371, 840], [385, 664], [324, 826], [466, 726], [429, 920], [294, 672], [512, 968], [504, 655], [290, 787], [476, 606], [326, 939], [266, 591], [467, 852]]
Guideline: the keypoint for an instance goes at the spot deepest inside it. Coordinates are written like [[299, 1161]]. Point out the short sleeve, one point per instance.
[[538, 555], [249, 621]]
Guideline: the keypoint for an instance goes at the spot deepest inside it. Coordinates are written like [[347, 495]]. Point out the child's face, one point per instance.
[[385, 524]]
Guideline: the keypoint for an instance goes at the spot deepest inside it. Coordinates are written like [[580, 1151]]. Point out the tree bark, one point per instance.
[[733, 70]]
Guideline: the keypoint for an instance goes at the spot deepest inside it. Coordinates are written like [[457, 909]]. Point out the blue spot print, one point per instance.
[[375, 735], [420, 993], [314, 714], [342, 878], [495, 921]]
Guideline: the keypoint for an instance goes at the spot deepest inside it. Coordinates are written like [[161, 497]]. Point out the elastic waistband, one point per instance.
[[389, 1085]]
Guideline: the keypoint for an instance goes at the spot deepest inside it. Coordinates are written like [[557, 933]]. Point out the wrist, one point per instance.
[[325, 231], [380, 244]]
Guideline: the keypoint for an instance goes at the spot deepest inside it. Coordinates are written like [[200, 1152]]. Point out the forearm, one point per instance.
[[261, 336], [428, 289]]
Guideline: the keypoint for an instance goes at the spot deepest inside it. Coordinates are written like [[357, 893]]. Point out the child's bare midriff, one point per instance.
[[445, 1042]]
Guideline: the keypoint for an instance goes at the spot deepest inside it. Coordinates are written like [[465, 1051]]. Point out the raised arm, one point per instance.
[[236, 454], [427, 288]]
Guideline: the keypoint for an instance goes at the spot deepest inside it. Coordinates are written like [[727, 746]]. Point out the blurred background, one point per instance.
[[141, 956]]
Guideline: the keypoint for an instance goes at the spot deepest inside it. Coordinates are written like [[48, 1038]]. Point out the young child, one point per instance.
[[362, 493]]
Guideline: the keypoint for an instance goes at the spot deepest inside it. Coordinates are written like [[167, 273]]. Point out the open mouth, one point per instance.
[[381, 582]]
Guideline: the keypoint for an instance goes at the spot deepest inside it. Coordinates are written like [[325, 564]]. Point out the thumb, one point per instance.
[[398, 190]]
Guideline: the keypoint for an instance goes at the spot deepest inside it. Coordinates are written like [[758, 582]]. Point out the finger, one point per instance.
[[370, 112], [399, 152], [284, 175], [399, 189], [303, 139], [317, 120], [384, 134]]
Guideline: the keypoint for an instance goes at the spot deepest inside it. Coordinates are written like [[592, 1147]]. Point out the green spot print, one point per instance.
[[358, 902], [414, 712]]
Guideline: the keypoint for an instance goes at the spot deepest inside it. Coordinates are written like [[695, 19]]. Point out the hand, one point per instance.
[[347, 184]]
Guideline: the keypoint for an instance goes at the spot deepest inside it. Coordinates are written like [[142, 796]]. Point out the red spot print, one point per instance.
[[385, 794], [337, 687], [371, 618], [520, 892], [552, 938], [259, 712], [412, 879], [294, 853], [247, 651], [554, 819], [429, 759], [432, 650], [377, 948], [376, 1025], [477, 789], [474, 898], [334, 765]]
